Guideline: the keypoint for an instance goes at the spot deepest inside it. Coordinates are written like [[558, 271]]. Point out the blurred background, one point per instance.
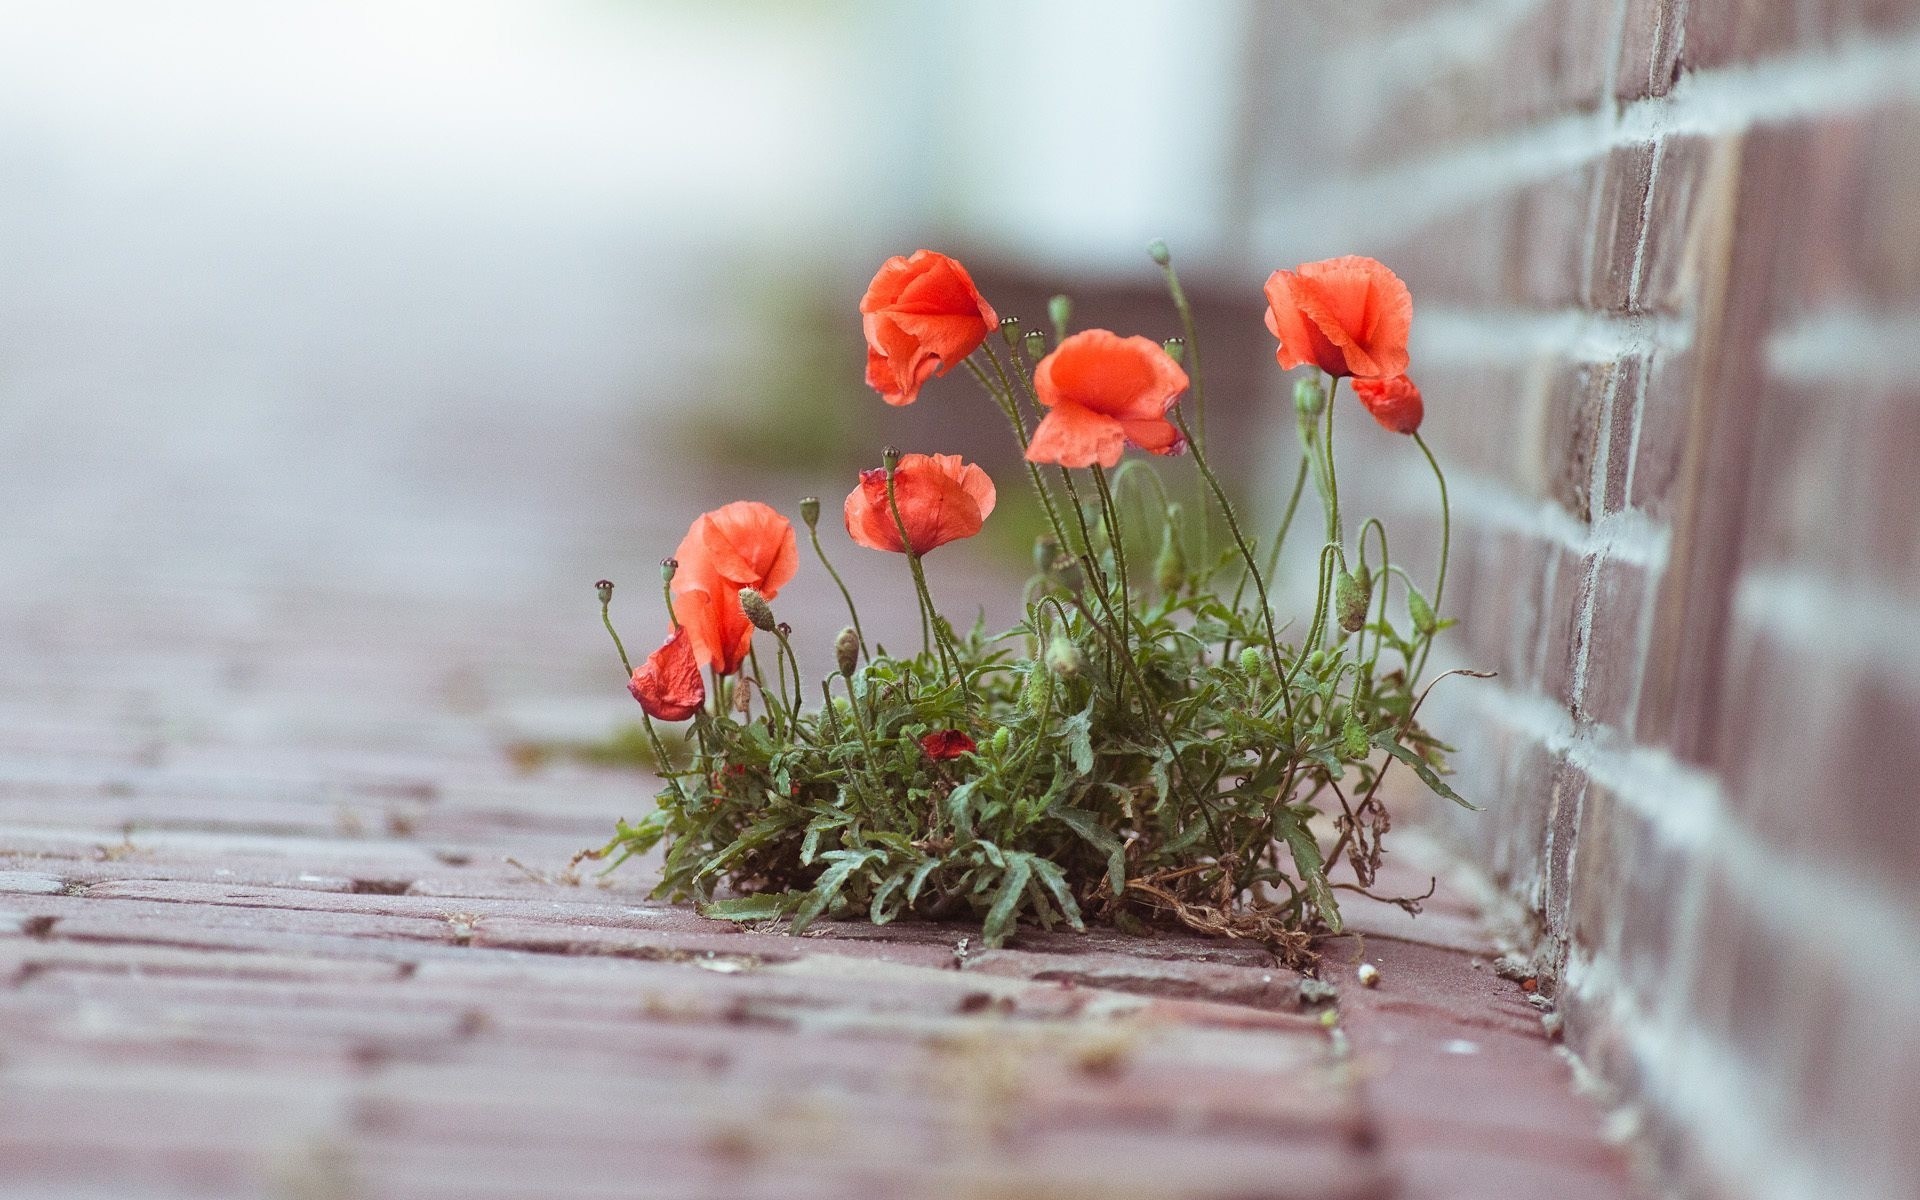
[[342, 346]]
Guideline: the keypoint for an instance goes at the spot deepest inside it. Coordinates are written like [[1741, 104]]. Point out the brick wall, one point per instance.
[[1666, 264]]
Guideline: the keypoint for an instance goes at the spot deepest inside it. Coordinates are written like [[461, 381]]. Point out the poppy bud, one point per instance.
[[1170, 569], [1033, 697], [1353, 738], [1420, 611], [1060, 310], [1176, 349], [668, 568], [1010, 330], [1002, 738], [1317, 661], [605, 588], [1350, 602], [890, 457], [1250, 660], [1063, 657], [742, 696], [810, 511], [1309, 398], [757, 610], [1157, 251], [846, 651], [1036, 344]]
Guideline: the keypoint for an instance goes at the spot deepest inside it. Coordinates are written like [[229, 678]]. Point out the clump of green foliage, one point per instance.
[[1141, 748]]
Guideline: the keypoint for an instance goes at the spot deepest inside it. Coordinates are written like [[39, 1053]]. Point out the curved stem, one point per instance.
[[1336, 533], [859, 635], [1446, 538], [928, 615]]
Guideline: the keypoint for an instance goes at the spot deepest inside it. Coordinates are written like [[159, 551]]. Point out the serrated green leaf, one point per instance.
[[1100, 838], [1006, 902], [842, 865], [1427, 774], [1312, 868], [1055, 881]]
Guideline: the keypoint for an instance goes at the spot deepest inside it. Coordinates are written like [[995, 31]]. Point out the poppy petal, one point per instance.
[[668, 684], [1075, 436]]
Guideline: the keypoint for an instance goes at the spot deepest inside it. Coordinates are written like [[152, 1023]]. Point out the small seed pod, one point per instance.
[[1158, 252], [742, 696], [1033, 695], [1251, 661], [890, 457], [846, 651], [1067, 573], [605, 588], [1010, 332], [1176, 349], [810, 511], [1350, 602], [757, 610], [1421, 612], [1170, 569], [1002, 738], [1036, 344], [669, 567]]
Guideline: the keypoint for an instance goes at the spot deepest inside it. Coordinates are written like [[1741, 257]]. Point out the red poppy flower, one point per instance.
[[1395, 403], [716, 626], [743, 544], [1103, 391], [941, 498], [668, 684], [943, 744], [922, 316], [1347, 316]]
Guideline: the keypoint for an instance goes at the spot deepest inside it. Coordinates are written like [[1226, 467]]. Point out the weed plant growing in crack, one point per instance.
[[1144, 746]]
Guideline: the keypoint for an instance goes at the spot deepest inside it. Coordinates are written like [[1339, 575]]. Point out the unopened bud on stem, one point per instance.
[[1063, 657], [890, 457], [1158, 252], [1350, 602], [757, 610], [1421, 612], [1036, 344], [1176, 349], [669, 567], [1170, 569], [810, 511], [1060, 310], [605, 588], [846, 652], [1010, 330]]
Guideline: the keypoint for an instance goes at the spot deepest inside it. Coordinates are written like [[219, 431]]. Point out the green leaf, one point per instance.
[[878, 912], [1312, 868], [843, 864], [1101, 838], [763, 907], [1077, 732], [959, 807], [1006, 902], [1055, 881], [1423, 769], [920, 880]]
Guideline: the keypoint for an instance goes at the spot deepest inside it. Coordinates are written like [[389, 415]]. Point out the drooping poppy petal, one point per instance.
[[716, 625], [1395, 402], [1103, 391], [743, 544], [922, 315], [1347, 316], [941, 498], [668, 684], [944, 744]]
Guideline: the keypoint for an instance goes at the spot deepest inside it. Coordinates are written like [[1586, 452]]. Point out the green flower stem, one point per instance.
[[1239, 540], [853, 612], [1003, 395], [1446, 538], [1110, 513], [646, 719], [1336, 533], [928, 615], [607, 620], [1192, 343], [1279, 540]]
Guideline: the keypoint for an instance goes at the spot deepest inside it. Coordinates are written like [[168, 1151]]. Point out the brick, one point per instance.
[[1613, 644], [1619, 222], [1690, 184], [1724, 32], [1649, 49]]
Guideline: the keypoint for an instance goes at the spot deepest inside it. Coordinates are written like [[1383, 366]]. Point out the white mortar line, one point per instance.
[[1686, 809], [1386, 203], [1453, 335], [1824, 616], [1845, 344], [1628, 536], [1710, 1090]]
